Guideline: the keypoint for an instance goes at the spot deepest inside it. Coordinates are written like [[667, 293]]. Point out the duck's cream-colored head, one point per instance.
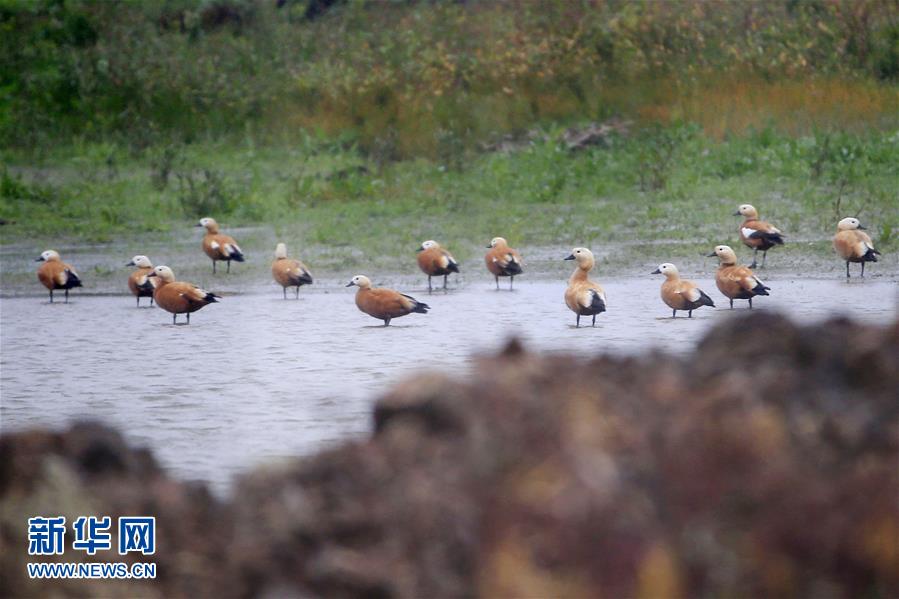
[[48, 256], [583, 256], [360, 281], [140, 262], [667, 269], [498, 242], [210, 224], [426, 245], [725, 254], [164, 273], [280, 251], [849, 224], [747, 210]]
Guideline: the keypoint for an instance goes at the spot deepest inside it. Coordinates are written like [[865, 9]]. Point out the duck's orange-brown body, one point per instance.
[[386, 304], [57, 275], [290, 273], [854, 246], [738, 282], [181, 298], [681, 294], [436, 262], [759, 235]]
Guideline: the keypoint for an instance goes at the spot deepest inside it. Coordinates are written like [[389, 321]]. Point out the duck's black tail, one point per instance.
[[705, 300], [453, 267], [303, 278], [513, 268], [760, 289], [236, 255], [72, 280], [774, 238], [597, 304], [417, 306], [870, 255]]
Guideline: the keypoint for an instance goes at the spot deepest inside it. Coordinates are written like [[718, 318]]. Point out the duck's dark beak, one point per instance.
[[131, 263], [420, 249], [737, 213], [862, 228], [489, 246], [39, 259], [712, 255], [656, 272], [198, 225], [152, 274], [569, 257], [350, 284]]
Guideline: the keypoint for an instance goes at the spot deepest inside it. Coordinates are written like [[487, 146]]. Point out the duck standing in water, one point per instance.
[[757, 234], [288, 272], [435, 261], [736, 282], [56, 274], [503, 261], [382, 303], [681, 294], [583, 296], [219, 246], [179, 297], [853, 244], [140, 284]]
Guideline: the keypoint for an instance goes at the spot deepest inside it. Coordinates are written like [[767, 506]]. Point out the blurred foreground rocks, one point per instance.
[[764, 463]]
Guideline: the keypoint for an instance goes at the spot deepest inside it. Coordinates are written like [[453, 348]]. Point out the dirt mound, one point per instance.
[[762, 463]]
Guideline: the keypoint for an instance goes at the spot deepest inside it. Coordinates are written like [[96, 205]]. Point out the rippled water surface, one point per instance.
[[256, 377]]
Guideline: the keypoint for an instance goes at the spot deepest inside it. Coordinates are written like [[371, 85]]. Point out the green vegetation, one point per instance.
[[541, 194], [376, 125]]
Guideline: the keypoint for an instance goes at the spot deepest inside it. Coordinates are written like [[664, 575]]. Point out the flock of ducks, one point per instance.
[[583, 296]]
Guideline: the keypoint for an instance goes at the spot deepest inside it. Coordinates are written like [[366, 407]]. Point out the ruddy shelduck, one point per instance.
[[583, 296], [139, 283], [757, 234], [736, 282], [503, 261], [382, 303], [56, 274], [435, 261], [681, 294], [288, 272], [219, 246], [853, 244], [179, 297]]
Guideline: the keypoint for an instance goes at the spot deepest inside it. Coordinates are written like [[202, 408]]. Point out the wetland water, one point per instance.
[[255, 377]]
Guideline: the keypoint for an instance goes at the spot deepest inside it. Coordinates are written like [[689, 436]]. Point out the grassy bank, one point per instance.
[[375, 125], [661, 185]]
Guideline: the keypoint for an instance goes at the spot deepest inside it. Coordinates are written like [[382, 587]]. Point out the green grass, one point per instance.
[[321, 194]]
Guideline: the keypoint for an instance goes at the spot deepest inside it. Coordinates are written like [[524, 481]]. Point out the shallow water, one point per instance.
[[256, 377]]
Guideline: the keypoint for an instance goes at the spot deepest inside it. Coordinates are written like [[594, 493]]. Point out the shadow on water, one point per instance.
[[255, 377]]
